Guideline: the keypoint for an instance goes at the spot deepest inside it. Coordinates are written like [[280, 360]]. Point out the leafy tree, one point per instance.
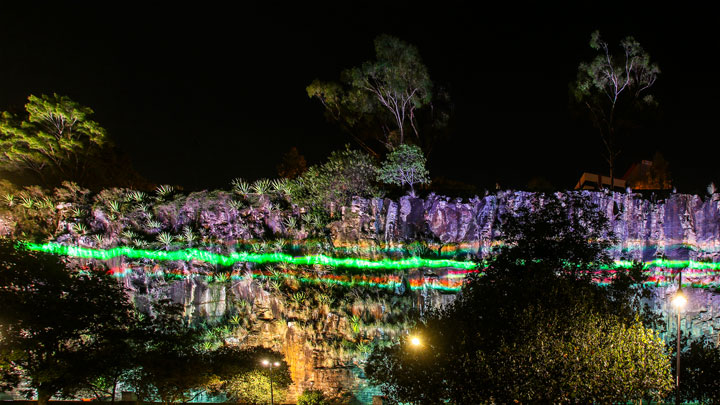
[[55, 321], [170, 365], [312, 397], [239, 374], [537, 300], [610, 80], [347, 173], [404, 165], [699, 368], [56, 136], [386, 94], [293, 164]]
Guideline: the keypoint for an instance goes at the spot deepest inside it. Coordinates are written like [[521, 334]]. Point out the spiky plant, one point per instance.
[[137, 196], [77, 212], [275, 285], [279, 245], [164, 190], [281, 186], [261, 186], [153, 224], [79, 229], [324, 299], [27, 202], [114, 206], [363, 348], [355, 324], [188, 235], [290, 223], [128, 235], [240, 186], [222, 277], [235, 320], [237, 205], [144, 208], [298, 298], [99, 239], [165, 239], [46, 202], [139, 243], [9, 199]]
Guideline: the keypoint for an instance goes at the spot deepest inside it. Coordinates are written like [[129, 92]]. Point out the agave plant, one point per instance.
[[188, 235], [153, 224], [9, 200], [165, 239], [164, 190], [363, 348], [99, 239], [137, 196], [222, 278], [77, 212], [240, 186], [237, 205], [139, 243], [79, 229], [261, 186], [275, 285], [324, 299], [114, 206], [235, 320], [290, 223], [46, 202], [298, 298], [355, 324], [27, 202], [129, 235], [281, 186], [279, 245]]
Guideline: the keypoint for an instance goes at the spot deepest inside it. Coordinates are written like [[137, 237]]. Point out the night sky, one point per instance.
[[198, 96]]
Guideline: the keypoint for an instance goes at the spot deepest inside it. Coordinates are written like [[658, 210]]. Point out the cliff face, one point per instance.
[[683, 230], [681, 227], [325, 329]]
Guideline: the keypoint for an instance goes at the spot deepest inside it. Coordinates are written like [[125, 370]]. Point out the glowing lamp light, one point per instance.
[[415, 341], [679, 300], [265, 362], [276, 364]]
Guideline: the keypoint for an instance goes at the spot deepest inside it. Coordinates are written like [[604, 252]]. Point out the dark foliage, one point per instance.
[[537, 296], [55, 321]]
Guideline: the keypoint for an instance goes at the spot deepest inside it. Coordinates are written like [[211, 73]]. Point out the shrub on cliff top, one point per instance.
[[347, 173]]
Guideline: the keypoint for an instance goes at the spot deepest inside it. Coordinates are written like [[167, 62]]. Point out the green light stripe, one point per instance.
[[228, 260]]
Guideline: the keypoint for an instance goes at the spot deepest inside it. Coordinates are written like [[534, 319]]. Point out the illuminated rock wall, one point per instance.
[[682, 229]]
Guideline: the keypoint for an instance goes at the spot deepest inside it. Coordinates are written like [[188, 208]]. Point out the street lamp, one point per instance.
[[415, 341], [678, 302], [270, 365]]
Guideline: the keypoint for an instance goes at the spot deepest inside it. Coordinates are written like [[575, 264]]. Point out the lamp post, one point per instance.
[[415, 341], [270, 365], [678, 302]]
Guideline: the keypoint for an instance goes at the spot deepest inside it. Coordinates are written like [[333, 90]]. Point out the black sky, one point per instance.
[[197, 96]]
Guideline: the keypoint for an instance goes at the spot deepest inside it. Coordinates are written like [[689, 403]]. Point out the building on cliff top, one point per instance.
[[592, 181], [643, 175]]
